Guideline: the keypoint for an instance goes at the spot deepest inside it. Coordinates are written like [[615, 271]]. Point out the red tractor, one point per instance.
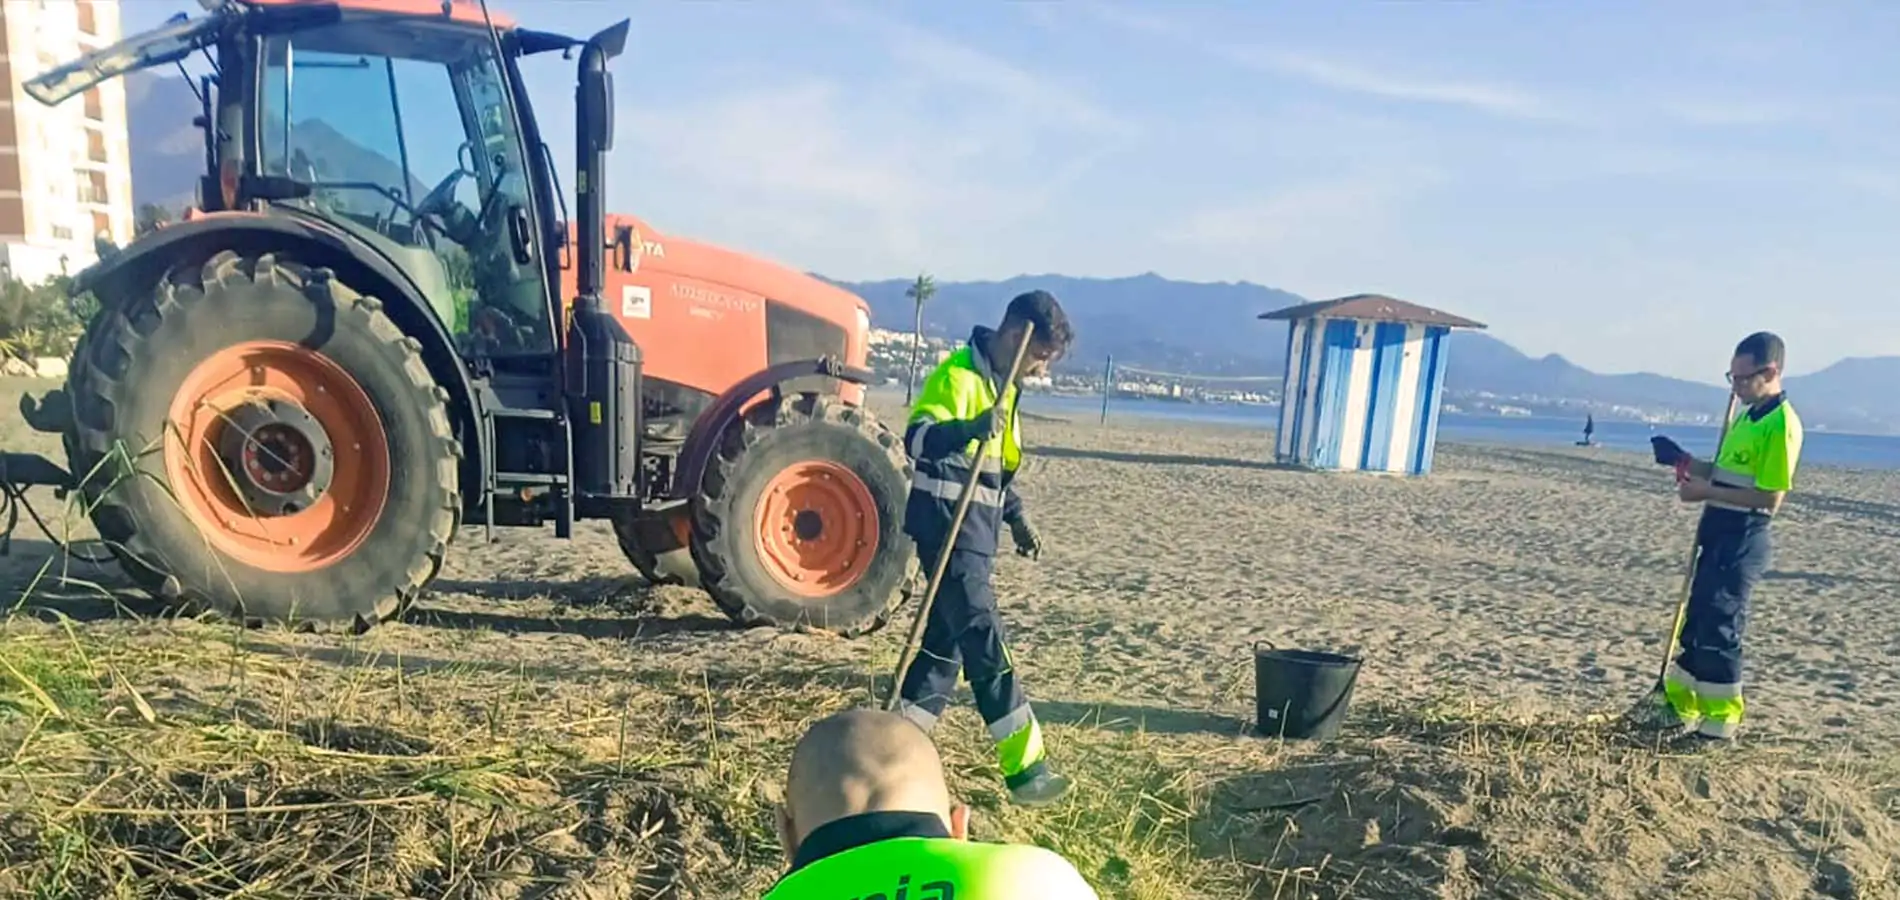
[[380, 328]]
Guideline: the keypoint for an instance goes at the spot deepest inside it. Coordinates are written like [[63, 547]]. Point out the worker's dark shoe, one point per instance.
[[1046, 788], [1697, 742]]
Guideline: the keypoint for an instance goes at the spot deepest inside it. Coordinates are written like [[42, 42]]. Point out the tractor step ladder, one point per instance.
[[500, 480]]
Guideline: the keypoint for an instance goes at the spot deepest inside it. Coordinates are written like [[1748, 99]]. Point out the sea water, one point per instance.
[[1822, 448]]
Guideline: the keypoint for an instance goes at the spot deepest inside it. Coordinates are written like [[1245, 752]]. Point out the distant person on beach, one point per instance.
[[1740, 493], [867, 814], [964, 402]]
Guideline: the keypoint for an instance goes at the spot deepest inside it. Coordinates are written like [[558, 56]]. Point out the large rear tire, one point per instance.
[[263, 442], [799, 520]]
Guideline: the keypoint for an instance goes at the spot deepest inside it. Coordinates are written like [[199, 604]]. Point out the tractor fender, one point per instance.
[[696, 454], [358, 264]]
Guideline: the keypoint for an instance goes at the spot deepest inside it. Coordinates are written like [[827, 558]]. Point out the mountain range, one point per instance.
[[168, 151], [1145, 320], [1213, 329]]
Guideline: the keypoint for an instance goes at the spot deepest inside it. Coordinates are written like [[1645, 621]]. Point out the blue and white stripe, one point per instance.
[[1362, 395]]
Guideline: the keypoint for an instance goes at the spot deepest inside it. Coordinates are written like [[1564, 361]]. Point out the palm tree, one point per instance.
[[920, 292]]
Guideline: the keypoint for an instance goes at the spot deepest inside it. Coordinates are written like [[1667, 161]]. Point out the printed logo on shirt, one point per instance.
[[935, 890]]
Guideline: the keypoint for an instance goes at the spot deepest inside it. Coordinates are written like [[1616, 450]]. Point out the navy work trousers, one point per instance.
[[1734, 554], [964, 632]]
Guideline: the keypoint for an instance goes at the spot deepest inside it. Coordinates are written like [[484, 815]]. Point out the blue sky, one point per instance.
[[1633, 185]]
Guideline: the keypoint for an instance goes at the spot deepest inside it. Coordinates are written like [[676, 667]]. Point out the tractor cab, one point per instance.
[[397, 122]]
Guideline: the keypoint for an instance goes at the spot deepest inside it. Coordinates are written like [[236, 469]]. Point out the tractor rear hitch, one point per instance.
[[26, 470], [19, 471]]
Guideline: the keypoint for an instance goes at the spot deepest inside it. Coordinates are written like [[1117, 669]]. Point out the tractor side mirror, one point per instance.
[[623, 248], [597, 109]]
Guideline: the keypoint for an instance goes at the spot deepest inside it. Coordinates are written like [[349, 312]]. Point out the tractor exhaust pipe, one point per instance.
[[602, 363]]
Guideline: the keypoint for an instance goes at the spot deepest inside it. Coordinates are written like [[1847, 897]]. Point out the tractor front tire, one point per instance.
[[659, 550], [799, 519], [260, 441]]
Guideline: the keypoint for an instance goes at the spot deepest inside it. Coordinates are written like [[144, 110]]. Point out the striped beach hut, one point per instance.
[[1364, 376]]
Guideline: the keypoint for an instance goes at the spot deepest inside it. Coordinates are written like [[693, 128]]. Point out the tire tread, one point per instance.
[[119, 334], [713, 542]]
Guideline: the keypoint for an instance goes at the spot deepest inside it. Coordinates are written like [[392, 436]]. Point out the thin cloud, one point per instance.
[[1325, 237], [1502, 100], [1712, 113], [1325, 211], [1024, 109], [951, 62], [1495, 99], [1139, 22], [795, 139], [795, 155], [967, 144]]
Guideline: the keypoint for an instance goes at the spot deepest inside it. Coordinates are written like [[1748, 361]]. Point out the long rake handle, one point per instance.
[[950, 540], [1695, 551]]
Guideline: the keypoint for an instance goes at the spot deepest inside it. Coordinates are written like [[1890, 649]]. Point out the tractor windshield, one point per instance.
[[404, 128]]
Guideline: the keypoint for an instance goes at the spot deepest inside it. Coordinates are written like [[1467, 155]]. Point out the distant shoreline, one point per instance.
[[1613, 437], [1678, 420]]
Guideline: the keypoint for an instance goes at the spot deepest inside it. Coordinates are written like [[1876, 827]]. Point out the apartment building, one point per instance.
[[65, 171]]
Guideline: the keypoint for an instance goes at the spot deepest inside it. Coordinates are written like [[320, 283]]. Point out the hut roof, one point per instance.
[[1374, 307]]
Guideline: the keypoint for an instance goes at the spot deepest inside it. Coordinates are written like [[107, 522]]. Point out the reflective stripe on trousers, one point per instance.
[[1018, 738], [1715, 710]]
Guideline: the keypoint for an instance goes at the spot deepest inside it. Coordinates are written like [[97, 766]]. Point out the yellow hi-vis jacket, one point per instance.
[[943, 444]]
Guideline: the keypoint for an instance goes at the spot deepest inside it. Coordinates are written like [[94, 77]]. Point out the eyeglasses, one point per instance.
[[1732, 377]]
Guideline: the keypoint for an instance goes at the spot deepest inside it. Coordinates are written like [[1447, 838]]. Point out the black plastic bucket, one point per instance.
[[1301, 694]]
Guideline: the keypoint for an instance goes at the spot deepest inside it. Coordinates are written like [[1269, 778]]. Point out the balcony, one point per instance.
[[96, 147], [92, 187], [95, 106], [88, 22]]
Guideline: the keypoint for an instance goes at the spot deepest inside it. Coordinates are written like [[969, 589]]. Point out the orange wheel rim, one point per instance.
[[274, 419], [817, 528]]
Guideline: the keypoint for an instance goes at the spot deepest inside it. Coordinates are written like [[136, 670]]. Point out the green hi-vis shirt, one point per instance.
[[936, 869], [1761, 450], [909, 856]]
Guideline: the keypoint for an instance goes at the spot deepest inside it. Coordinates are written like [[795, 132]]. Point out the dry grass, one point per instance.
[[185, 759], [193, 761], [232, 771], [161, 758]]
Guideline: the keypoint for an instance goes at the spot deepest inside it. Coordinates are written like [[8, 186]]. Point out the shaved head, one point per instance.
[[862, 761]]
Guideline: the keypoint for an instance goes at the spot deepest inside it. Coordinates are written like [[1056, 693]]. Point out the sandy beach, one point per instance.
[[1500, 604], [1542, 576]]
